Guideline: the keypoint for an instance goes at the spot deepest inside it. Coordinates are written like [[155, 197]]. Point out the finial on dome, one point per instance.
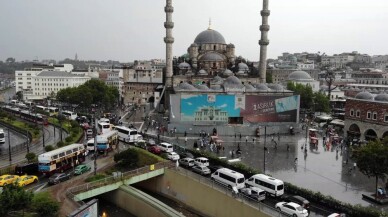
[[210, 23]]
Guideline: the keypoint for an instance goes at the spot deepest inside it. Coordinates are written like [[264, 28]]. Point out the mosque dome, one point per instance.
[[233, 80], [186, 86], [217, 80], [243, 67], [227, 72], [209, 36], [262, 87], [202, 72], [382, 97], [249, 87], [276, 87], [324, 87], [202, 87], [364, 96], [299, 76], [212, 57], [184, 65]]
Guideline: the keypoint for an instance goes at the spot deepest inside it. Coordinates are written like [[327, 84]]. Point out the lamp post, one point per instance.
[[28, 143], [9, 148], [95, 145], [265, 148], [43, 135]]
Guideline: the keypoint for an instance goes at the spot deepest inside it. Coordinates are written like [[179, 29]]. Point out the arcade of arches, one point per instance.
[[366, 131]]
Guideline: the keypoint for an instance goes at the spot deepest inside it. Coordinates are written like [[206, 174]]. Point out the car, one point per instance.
[[298, 200], [154, 149], [254, 193], [7, 179], [89, 132], [141, 144], [186, 162], [214, 168], [58, 177], [29, 168], [82, 168], [201, 161], [203, 170], [292, 209], [172, 156], [26, 180], [337, 215], [186, 155]]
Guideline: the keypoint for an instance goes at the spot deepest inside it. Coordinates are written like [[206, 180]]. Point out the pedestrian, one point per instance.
[[296, 160], [238, 146], [272, 138], [240, 136], [288, 147], [278, 136], [253, 140], [235, 136], [246, 140], [185, 140], [354, 165], [232, 153], [185, 133], [177, 164]]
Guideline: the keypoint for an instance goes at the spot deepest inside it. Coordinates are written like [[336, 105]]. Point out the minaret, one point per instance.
[[264, 28], [169, 40]]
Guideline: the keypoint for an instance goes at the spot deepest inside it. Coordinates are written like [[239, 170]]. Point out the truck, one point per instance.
[[253, 193]]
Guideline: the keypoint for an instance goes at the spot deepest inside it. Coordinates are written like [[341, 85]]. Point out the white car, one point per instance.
[[187, 162], [292, 209], [173, 156], [201, 170]]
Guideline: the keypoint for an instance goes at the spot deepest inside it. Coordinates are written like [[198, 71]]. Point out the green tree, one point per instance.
[[31, 157], [44, 205], [126, 159], [19, 95], [48, 148], [14, 198], [372, 160], [321, 102], [305, 92], [268, 77]]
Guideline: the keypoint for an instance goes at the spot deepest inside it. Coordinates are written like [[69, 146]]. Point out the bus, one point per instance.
[[103, 127], [127, 134], [107, 141], [2, 136], [274, 187], [53, 111], [41, 109], [104, 120], [90, 145], [33, 117], [70, 115], [61, 159]]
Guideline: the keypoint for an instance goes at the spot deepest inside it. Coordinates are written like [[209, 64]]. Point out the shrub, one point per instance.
[[95, 178], [60, 144], [44, 205], [31, 157], [127, 159], [69, 139], [48, 148]]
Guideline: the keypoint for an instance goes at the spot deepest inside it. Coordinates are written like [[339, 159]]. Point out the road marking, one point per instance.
[[40, 188]]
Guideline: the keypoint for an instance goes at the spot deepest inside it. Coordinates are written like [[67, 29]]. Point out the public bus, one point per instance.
[[33, 117], [90, 145], [53, 111], [41, 109], [103, 127], [61, 159], [107, 141], [104, 120], [70, 115], [2, 136], [127, 134]]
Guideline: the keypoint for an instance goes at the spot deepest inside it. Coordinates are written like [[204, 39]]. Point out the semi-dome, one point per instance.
[[364, 96], [233, 80], [209, 36], [299, 75], [227, 72], [382, 97], [186, 86], [184, 65], [212, 57], [202, 72], [262, 87]]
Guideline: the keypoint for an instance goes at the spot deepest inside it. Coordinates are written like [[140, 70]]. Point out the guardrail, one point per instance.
[[72, 192]]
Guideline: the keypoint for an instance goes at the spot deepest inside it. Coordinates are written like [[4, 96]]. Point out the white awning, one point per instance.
[[338, 122]]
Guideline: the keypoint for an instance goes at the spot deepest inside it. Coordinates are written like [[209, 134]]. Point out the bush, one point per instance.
[[75, 130], [69, 139], [60, 144], [95, 178], [48, 148], [127, 159], [44, 205], [31, 157], [74, 124]]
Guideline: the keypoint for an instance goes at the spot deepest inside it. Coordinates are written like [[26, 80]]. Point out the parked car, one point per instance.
[[82, 168], [154, 149], [203, 170], [186, 155], [292, 209], [337, 215], [298, 200], [26, 180], [141, 144], [24, 169], [58, 177], [7, 179], [172, 156], [214, 168], [254, 193], [201, 161], [186, 162]]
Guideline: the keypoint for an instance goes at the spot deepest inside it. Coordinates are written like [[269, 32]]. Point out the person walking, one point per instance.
[[246, 140], [186, 140], [240, 136], [185, 133], [253, 140]]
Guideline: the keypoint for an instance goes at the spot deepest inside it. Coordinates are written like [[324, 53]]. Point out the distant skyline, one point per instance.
[[130, 30]]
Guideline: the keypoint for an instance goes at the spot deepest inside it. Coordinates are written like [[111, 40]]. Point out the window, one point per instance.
[[386, 118], [374, 115], [358, 113], [368, 115], [351, 112]]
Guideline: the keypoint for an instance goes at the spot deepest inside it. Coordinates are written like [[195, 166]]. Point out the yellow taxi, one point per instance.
[[26, 180], [7, 179]]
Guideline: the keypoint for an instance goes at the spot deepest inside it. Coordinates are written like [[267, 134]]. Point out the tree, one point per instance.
[[19, 95], [30, 157], [268, 77], [48, 148], [372, 160], [126, 159], [14, 198], [44, 205], [10, 60], [321, 102]]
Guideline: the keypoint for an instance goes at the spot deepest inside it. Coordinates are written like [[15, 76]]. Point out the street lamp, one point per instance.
[[9, 148], [265, 148]]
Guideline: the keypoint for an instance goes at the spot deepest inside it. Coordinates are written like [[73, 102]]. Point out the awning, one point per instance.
[[338, 122]]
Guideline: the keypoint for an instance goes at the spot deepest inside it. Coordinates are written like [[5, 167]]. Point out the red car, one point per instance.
[[154, 149]]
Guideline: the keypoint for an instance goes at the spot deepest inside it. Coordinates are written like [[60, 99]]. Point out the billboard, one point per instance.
[[252, 108]]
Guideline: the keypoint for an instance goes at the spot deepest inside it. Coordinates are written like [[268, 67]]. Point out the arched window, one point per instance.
[[358, 113], [352, 112], [368, 115]]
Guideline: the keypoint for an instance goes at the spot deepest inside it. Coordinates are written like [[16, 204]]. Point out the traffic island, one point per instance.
[[382, 200]]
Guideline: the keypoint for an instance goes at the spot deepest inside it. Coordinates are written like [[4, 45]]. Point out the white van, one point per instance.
[[201, 161], [166, 147], [229, 178], [274, 187]]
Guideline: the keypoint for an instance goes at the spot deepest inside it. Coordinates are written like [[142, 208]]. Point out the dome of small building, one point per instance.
[[323, 87], [230, 46], [381, 97], [202, 72], [240, 73], [374, 90], [227, 72], [276, 87], [202, 87], [186, 86], [212, 57], [217, 79], [243, 67], [233, 80], [209, 36], [194, 45], [357, 89], [261, 87], [299, 75], [184, 65], [364, 96], [249, 87]]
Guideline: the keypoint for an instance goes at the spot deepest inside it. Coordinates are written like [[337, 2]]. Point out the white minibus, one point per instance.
[[90, 145], [274, 187], [229, 178], [103, 127], [166, 147], [128, 135], [201, 161]]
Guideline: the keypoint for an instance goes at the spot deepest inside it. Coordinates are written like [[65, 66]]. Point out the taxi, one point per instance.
[[7, 179], [26, 180]]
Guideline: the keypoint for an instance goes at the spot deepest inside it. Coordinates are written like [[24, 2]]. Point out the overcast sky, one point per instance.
[[126, 30]]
